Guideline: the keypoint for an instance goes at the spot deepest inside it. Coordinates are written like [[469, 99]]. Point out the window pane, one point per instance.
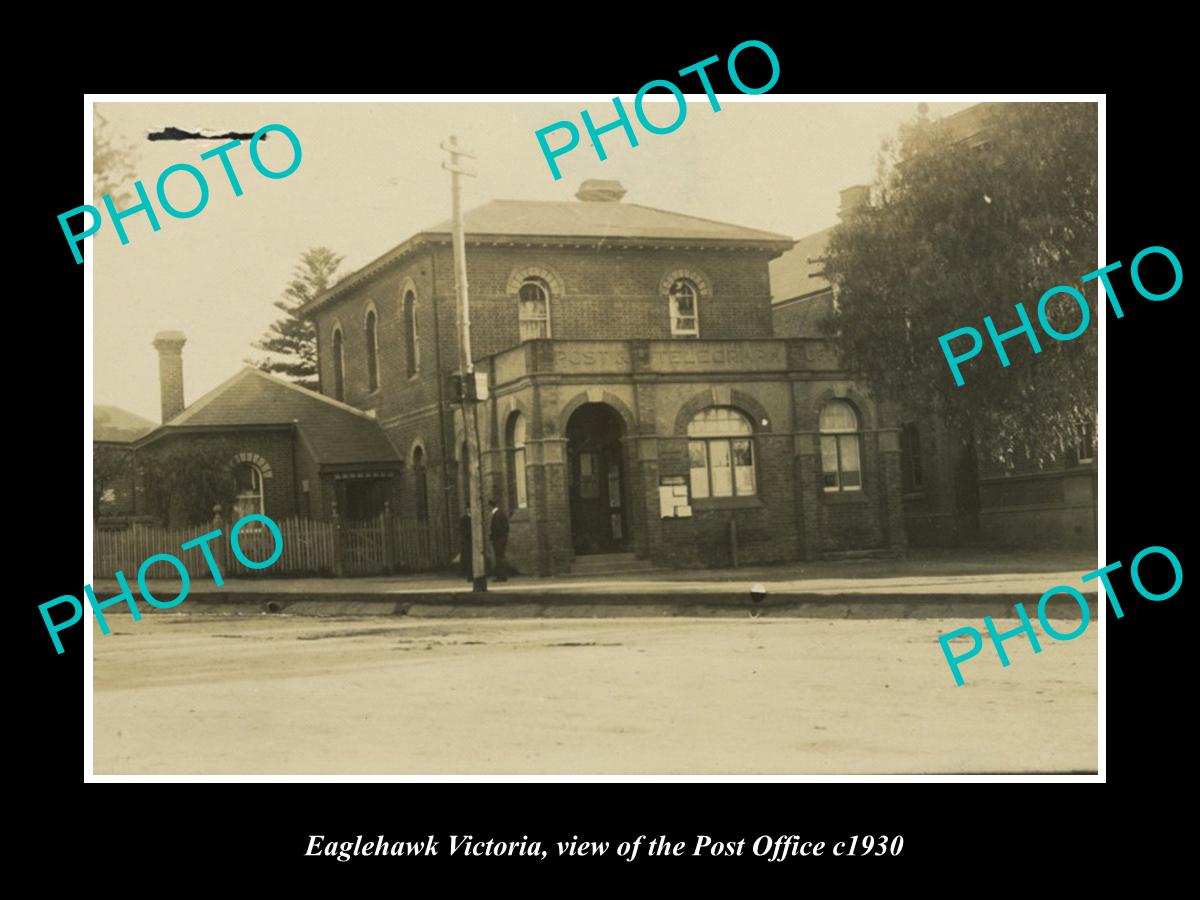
[[722, 475], [533, 294], [372, 360], [698, 460], [531, 331], [410, 333], [339, 360], [718, 421], [682, 305], [851, 474], [743, 468], [837, 415], [535, 309], [829, 461], [244, 475], [519, 472]]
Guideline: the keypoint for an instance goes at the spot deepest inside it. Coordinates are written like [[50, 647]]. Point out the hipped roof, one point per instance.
[[562, 221]]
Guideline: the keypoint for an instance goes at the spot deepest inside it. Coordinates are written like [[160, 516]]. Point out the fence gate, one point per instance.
[[365, 546]]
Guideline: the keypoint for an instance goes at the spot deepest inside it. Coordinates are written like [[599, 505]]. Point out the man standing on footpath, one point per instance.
[[498, 531]]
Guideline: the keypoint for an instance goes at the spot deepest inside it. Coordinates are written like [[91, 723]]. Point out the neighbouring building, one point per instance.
[[949, 496], [291, 452], [114, 431], [640, 402]]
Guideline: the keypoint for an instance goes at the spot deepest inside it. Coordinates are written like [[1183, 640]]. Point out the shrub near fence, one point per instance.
[[379, 546]]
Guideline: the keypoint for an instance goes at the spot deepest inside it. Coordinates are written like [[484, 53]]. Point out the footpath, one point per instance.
[[928, 584]]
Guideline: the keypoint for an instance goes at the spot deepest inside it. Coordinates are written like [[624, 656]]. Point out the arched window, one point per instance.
[[248, 483], [517, 489], [533, 305], [682, 300], [411, 344], [420, 484], [339, 366], [372, 337], [841, 464], [721, 454]]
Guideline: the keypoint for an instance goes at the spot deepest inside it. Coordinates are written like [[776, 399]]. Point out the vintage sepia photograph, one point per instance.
[[751, 448]]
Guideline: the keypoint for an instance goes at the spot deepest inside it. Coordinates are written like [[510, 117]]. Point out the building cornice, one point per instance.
[[426, 240]]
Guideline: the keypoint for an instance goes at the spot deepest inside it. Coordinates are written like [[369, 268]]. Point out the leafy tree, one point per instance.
[[293, 339], [110, 469], [957, 232], [183, 480]]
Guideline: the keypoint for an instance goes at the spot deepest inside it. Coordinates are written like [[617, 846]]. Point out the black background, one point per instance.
[[956, 835]]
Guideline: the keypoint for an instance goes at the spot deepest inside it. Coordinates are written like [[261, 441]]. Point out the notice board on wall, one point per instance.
[[673, 500]]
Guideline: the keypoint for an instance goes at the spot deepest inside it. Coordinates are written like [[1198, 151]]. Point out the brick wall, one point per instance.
[[605, 295], [612, 295], [273, 447], [615, 294], [802, 318]]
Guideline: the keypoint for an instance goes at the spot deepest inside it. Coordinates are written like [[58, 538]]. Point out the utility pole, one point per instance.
[[466, 365]]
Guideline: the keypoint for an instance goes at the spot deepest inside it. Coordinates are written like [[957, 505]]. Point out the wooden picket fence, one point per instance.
[[380, 546]]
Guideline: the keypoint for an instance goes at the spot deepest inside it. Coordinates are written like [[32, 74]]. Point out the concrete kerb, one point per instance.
[[534, 604]]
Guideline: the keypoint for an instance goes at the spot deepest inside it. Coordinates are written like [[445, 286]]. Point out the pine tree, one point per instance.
[[293, 339]]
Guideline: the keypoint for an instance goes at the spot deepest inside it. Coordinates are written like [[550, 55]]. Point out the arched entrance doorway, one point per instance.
[[597, 480]]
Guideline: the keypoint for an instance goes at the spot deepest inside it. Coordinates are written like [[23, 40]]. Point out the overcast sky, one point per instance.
[[371, 177]]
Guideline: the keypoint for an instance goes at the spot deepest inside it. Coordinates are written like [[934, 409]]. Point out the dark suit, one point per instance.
[[498, 532]]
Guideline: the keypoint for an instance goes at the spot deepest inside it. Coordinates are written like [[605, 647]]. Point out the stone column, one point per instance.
[[550, 509]]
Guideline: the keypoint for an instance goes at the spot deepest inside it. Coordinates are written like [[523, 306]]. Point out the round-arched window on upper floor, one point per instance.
[[533, 309], [683, 300]]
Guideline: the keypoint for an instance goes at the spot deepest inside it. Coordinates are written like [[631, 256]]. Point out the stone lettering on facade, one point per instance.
[[591, 358], [757, 356]]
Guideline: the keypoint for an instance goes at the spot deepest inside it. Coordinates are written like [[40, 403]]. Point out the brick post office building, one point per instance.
[[639, 402]]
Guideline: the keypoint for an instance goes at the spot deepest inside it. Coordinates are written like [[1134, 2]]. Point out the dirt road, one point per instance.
[[196, 694]]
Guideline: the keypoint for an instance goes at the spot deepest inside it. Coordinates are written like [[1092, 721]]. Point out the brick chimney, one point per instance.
[[169, 345], [600, 190], [854, 200]]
